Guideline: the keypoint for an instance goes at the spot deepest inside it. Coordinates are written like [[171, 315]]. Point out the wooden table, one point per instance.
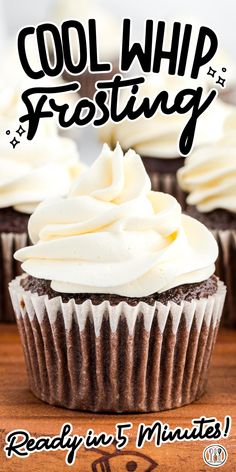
[[20, 409]]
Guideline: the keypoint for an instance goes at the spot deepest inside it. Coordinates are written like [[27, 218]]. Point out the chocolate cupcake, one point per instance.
[[156, 139], [14, 82], [33, 171], [119, 308], [108, 40], [209, 177]]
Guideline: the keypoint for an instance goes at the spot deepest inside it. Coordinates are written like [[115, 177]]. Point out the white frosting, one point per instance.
[[109, 30], [159, 136], [209, 173], [42, 168], [35, 170], [112, 234], [14, 81]]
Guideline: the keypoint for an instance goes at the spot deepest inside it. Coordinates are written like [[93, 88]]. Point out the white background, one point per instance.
[[221, 15]]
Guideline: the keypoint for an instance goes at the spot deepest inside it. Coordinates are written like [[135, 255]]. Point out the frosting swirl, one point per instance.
[[209, 174], [112, 234], [14, 81], [36, 170], [39, 169], [159, 136]]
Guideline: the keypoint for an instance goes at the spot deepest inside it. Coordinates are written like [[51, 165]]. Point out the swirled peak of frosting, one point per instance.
[[209, 173], [159, 136], [112, 234]]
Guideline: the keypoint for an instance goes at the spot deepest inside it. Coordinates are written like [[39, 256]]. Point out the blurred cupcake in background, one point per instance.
[[209, 178], [156, 139], [31, 172], [14, 81], [118, 295], [109, 33]]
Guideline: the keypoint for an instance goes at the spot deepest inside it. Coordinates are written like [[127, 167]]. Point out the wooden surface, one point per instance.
[[20, 409]]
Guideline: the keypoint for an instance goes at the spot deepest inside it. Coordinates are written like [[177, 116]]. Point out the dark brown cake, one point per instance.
[[147, 362], [88, 80], [218, 219], [186, 292], [163, 165], [12, 221], [222, 224], [13, 236]]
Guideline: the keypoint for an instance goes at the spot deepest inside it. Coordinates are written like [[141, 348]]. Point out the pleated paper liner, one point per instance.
[[9, 269], [226, 270], [117, 358]]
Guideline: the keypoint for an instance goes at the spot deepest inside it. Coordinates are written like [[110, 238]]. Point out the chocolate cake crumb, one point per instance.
[[185, 292], [163, 165], [12, 221], [218, 219]]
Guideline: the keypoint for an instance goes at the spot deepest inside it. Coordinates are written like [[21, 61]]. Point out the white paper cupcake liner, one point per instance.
[[9, 269], [117, 358]]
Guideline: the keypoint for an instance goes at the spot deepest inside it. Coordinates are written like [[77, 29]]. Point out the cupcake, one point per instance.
[[14, 81], [108, 40], [209, 178], [33, 171], [118, 309], [156, 139]]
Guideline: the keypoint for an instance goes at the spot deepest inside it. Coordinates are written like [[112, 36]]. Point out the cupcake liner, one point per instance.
[[226, 270], [116, 358], [9, 268]]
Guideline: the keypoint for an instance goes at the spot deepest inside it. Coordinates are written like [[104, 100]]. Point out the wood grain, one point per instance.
[[20, 409]]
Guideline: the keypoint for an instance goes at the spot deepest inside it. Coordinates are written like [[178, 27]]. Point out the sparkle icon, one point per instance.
[[14, 142], [20, 131], [211, 72], [220, 81]]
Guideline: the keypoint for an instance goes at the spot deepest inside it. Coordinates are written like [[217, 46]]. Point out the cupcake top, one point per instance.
[[112, 234], [209, 173], [36, 170], [14, 81], [12, 107], [159, 136]]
